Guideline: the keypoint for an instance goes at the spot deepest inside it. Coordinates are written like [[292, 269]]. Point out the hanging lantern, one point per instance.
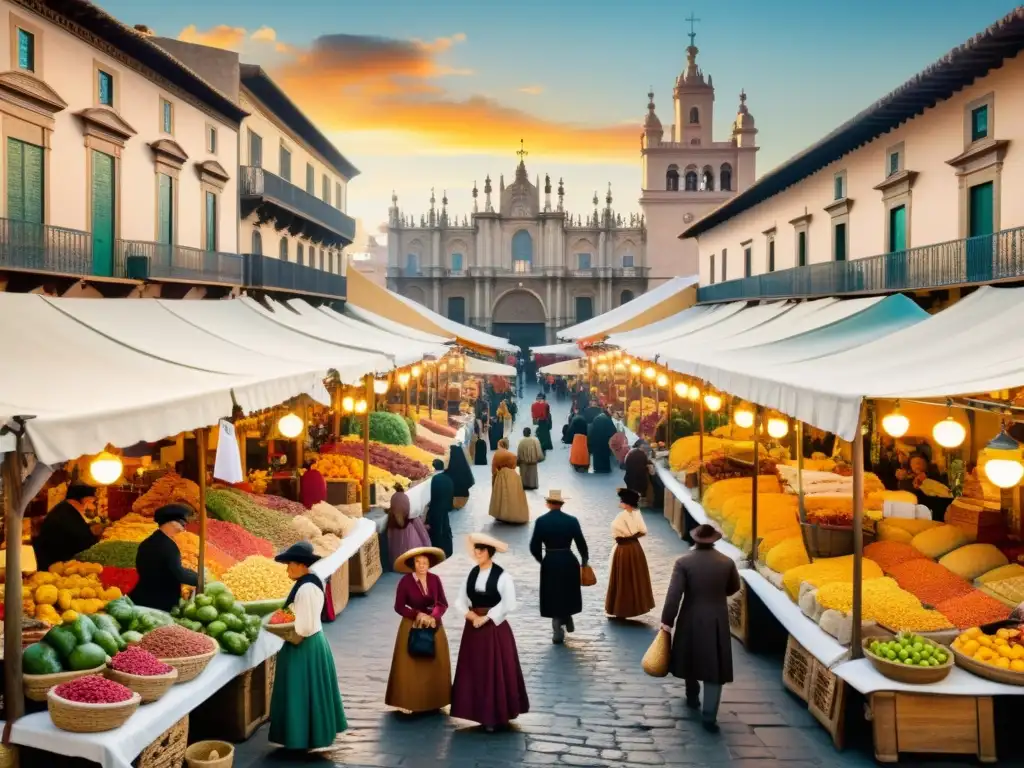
[[713, 402], [403, 379], [693, 394], [348, 404], [380, 386], [290, 426], [778, 427], [443, 367], [894, 423], [634, 369], [416, 371], [106, 468], [662, 380], [602, 367], [1004, 466], [681, 389], [627, 360], [360, 406], [744, 417], [650, 373], [949, 433], [619, 368]]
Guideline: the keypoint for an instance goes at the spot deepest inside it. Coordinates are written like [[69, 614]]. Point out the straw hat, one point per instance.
[[404, 563], [484, 540], [555, 497]]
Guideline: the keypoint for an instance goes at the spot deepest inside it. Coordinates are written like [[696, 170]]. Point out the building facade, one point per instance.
[[685, 172], [523, 270], [917, 193]]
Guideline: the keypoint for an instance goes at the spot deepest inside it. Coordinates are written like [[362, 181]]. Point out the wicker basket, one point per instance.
[[988, 671], [190, 667], [149, 687], [198, 755], [904, 673], [830, 541], [168, 750], [285, 631], [37, 686], [459, 502], [90, 718]]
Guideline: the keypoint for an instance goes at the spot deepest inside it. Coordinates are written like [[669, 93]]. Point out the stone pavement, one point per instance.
[[591, 704]]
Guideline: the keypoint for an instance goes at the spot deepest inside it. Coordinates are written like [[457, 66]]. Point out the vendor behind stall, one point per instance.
[[158, 561], [64, 532]]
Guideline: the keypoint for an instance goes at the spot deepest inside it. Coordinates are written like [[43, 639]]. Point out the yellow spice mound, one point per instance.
[[257, 578]]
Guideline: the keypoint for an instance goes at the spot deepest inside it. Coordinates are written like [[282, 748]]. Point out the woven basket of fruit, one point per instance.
[[37, 686], [282, 624], [908, 658], [998, 657], [91, 705], [830, 540]]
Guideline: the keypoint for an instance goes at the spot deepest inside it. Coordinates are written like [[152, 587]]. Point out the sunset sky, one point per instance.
[[438, 94]]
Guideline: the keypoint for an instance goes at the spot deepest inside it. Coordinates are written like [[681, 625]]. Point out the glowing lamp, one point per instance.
[[681, 389], [744, 417], [634, 369], [693, 394], [360, 406], [778, 428], [403, 379], [713, 402], [106, 468], [895, 424], [602, 367], [650, 373], [380, 386], [348, 404], [949, 433], [662, 380], [619, 368], [1004, 467], [416, 371], [290, 426], [627, 360]]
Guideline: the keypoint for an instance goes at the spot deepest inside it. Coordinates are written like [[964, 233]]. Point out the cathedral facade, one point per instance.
[[521, 270]]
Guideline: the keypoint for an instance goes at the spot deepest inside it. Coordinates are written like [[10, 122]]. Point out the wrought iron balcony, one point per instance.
[[631, 272], [273, 198], [971, 261], [144, 260], [41, 248], [405, 272], [272, 274]]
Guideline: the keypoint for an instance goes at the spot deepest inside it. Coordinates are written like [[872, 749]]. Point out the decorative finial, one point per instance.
[[608, 197], [595, 198], [487, 185], [475, 191], [522, 151], [743, 96], [650, 99], [432, 200], [693, 35], [444, 199], [561, 188], [394, 197]]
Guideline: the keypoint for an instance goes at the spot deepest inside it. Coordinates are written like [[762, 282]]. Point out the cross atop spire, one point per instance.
[[522, 151], [692, 35]]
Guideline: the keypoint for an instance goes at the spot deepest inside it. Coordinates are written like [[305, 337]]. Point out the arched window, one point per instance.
[[522, 251], [694, 116], [691, 181], [257, 242], [725, 177], [300, 256], [707, 180], [412, 264], [282, 249], [672, 179], [626, 296]]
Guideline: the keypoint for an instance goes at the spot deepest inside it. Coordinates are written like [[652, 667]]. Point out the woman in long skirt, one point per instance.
[[495, 432], [404, 533], [480, 450], [420, 683], [505, 416], [305, 708], [508, 498], [489, 687], [579, 455], [629, 578], [460, 473]]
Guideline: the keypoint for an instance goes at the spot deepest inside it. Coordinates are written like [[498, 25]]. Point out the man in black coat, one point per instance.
[[158, 561], [64, 532], [442, 502], [551, 545]]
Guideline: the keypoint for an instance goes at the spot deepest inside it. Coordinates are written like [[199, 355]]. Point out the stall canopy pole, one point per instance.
[[14, 701], [858, 536], [201, 438], [700, 446], [753, 496], [671, 403], [800, 471], [368, 381]]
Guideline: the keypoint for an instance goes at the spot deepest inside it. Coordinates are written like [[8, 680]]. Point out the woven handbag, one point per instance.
[[656, 660]]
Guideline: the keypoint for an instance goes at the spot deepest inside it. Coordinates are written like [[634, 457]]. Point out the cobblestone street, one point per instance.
[[591, 704]]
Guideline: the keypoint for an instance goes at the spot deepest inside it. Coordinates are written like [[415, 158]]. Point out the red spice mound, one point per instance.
[[233, 540], [93, 689], [441, 429], [973, 609], [175, 642], [279, 504], [928, 581], [124, 579], [890, 553], [282, 616], [136, 661], [429, 445]]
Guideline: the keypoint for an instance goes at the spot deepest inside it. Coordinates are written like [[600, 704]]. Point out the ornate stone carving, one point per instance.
[[169, 152], [29, 91], [105, 123], [212, 172]]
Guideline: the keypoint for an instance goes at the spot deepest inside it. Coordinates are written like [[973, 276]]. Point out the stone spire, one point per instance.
[[488, 208], [433, 213], [692, 75], [561, 195], [547, 193], [475, 193], [444, 208]]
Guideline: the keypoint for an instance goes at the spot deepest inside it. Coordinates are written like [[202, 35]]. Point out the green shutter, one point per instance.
[[982, 210], [102, 188], [840, 245], [25, 189], [211, 221], [165, 209], [979, 123], [15, 180], [801, 249]]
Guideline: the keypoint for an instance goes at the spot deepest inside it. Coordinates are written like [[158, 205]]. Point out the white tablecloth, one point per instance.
[[862, 676], [696, 511], [363, 530], [117, 749], [419, 497]]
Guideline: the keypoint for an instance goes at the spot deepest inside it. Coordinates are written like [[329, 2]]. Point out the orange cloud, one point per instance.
[[532, 90], [264, 35], [221, 36]]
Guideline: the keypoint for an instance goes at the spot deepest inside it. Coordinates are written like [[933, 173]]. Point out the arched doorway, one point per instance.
[[519, 315]]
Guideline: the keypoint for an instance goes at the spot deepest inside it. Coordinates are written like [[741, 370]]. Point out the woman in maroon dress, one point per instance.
[[420, 682], [489, 688]]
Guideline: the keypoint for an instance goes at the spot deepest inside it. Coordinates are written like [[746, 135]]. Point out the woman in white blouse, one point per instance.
[[489, 688], [305, 709], [629, 579]]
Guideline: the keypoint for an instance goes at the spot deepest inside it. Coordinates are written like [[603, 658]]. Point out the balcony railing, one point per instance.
[[971, 261], [144, 260], [256, 182], [631, 272], [42, 248], [273, 274]]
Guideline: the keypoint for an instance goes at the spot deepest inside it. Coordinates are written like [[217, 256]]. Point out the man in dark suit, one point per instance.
[[561, 597]]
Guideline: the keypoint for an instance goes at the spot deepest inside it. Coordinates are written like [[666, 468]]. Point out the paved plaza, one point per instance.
[[590, 702]]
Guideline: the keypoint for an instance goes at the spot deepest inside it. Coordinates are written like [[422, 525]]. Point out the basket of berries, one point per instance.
[[282, 623]]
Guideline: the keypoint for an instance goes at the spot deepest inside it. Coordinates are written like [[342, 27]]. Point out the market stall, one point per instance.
[[665, 300]]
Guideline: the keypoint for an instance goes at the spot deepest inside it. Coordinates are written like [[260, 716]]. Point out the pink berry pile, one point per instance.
[[136, 661], [174, 642], [93, 689]]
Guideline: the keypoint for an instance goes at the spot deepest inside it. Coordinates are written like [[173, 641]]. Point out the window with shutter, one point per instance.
[[25, 193], [326, 187], [165, 209], [310, 179], [106, 88], [211, 221], [255, 149], [286, 164], [26, 50], [301, 257]]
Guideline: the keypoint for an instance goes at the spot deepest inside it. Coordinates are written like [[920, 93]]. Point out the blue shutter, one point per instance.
[[26, 50], [165, 209], [211, 221]]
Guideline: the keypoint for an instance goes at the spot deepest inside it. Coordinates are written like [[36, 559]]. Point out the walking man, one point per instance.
[[561, 595]]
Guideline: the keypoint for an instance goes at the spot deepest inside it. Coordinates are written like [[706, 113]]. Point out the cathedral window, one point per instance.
[[300, 257], [691, 181], [412, 263], [257, 242], [627, 261], [457, 309], [584, 308], [725, 177], [283, 249], [707, 180], [522, 251], [694, 116], [672, 179], [626, 297], [583, 260], [456, 262]]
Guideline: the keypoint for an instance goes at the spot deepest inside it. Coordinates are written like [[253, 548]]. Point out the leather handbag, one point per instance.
[[587, 576], [421, 643]]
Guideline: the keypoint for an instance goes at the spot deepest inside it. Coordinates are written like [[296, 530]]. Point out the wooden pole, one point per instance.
[[800, 471], [640, 426], [336, 399], [671, 403], [368, 381], [408, 386], [700, 446], [753, 496], [14, 700], [858, 536], [201, 438]]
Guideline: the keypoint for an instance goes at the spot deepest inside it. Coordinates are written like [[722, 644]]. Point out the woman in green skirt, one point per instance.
[[305, 709]]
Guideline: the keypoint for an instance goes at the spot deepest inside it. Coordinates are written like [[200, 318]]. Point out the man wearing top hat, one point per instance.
[[158, 561], [561, 597]]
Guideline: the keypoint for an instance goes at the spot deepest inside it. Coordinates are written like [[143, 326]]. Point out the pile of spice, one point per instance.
[[175, 642], [973, 610], [136, 661], [279, 503], [234, 540], [124, 579], [93, 689], [117, 553], [890, 553], [928, 581]]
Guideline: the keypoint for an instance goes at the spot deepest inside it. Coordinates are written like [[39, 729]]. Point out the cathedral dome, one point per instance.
[[651, 121], [744, 120]]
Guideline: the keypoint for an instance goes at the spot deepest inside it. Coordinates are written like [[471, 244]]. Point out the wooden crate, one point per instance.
[[342, 492], [670, 503], [235, 711], [365, 567], [952, 725], [797, 668], [826, 700], [168, 751], [679, 518], [738, 614], [339, 588]]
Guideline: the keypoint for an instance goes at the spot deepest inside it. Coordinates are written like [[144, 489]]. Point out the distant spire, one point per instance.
[[693, 34]]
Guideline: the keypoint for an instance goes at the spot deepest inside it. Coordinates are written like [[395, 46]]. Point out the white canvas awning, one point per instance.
[[385, 324], [687, 321], [471, 335], [564, 368], [568, 349], [647, 308], [480, 367]]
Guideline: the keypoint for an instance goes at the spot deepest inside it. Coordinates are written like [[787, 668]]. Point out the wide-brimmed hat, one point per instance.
[[629, 497], [486, 540], [705, 534], [168, 513], [301, 553], [555, 496], [404, 563]]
